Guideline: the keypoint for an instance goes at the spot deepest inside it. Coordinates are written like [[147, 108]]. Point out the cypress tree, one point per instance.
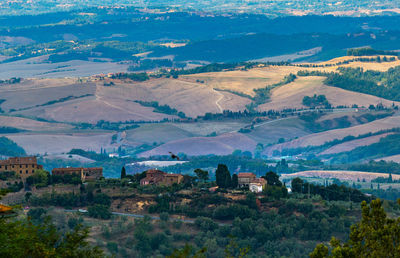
[[235, 181], [123, 173], [222, 176]]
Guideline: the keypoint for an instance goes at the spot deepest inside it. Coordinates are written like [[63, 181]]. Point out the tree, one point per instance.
[[188, 252], [235, 181], [201, 174], [123, 173], [99, 211], [22, 238], [40, 178], [375, 235], [297, 185], [272, 179], [28, 196], [223, 176], [282, 166]]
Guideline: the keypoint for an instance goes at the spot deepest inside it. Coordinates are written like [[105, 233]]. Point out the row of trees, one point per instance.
[[331, 192], [224, 179]]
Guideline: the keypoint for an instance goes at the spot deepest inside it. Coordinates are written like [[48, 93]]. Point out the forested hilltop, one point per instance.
[[196, 217]]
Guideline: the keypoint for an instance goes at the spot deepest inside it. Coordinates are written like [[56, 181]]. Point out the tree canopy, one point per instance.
[[375, 235]]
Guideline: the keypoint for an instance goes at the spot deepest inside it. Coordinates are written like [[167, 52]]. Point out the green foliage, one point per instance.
[[123, 172], [7, 129], [375, 235], [37, 214], [22, 238], [7, 175], [205, 224], [99, 211], [89, 154], [138, 77], [69, 200], [148, 64], [316, 101], [188, 252], [272, 179], [263, 94], [331, 192], [39, 179], [223, 176], [214, 67], [74, 222], [201, 174], [10, 148], [275, 192], [381, 84], [164, 216], [74, 179], [387, 146], [367, 51], [235, 181], [164, 109], [227, 212]]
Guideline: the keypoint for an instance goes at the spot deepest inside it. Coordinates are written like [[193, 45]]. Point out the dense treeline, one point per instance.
[[149, 64], [381, 84], [10, 148], [316, 101], [7, 129], [367, 51], [165, 109], [263, 94], [98, 204], [139, 77], [89, 154], [326, 145], [386, 146], [244, 161], [331, 192]]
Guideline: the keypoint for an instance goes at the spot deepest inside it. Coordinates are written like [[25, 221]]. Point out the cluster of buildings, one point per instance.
[[26, 167], [250, 180], [158, 177]]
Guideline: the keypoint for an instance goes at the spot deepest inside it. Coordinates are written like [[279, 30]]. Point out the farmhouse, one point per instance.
[[251, 181], [158, 177], [257, 185], [244, 179], [22, 166], [86, 174]]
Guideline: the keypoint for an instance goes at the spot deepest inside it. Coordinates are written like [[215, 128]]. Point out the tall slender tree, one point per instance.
[[123, 172]]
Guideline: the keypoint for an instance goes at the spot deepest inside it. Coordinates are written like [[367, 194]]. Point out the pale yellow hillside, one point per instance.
[[291, 95]]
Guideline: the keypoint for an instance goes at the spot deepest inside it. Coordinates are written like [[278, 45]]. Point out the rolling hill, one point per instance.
[[53, 111]]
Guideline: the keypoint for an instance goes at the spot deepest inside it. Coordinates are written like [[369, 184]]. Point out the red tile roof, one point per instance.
[[246, 175]]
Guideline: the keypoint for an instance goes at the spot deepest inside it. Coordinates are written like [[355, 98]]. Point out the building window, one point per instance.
[[26, 165], [20, 172], [33, 170], [20, 166], [27, 171]]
